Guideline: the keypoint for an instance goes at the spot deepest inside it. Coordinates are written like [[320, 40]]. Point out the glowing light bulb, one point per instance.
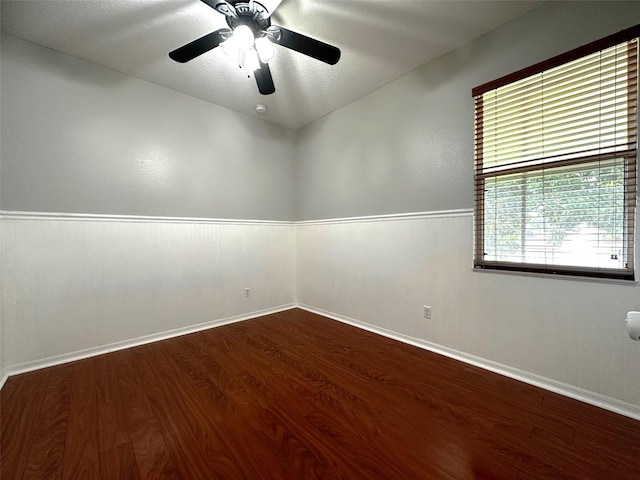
[[265, 49], [250, 59], [243, 37], [230, 48]]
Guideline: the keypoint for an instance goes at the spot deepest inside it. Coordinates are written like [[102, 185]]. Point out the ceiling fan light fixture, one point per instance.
[[265, 49], [241, 48], [249, 59], [243, 37], [230, 48]]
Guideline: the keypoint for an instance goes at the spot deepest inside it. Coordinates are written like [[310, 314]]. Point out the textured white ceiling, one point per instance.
[[380, 40]]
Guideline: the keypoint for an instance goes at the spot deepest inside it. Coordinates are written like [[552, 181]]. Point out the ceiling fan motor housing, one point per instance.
[[254, 15]]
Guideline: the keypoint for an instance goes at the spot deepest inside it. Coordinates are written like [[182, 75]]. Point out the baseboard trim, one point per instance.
[[135, 342], [608, 403], [602, 401], [3, 377]]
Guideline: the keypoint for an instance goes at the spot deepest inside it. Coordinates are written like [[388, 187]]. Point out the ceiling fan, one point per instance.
[[248, 41]]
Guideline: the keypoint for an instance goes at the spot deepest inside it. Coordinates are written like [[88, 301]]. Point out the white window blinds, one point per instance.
[[555, 157]]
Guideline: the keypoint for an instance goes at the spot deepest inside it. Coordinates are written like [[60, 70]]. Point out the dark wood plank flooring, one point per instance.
[[298, 396]]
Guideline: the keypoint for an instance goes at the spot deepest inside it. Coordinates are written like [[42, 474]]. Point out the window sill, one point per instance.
[[565, 277]]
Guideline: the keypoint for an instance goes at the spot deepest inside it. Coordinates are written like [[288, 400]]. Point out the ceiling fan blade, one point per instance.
[[222, 7], [274, 6], [264, 79], [303, 44], [266, 8], [201, 45]]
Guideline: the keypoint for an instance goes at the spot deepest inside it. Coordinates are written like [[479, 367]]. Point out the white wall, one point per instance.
[[382, 271], [2, 362], [74, 284], [80, 138], [408, 147]]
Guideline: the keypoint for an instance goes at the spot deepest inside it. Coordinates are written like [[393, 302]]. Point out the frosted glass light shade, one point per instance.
[[249, 59], [265, 49], [244, 37]]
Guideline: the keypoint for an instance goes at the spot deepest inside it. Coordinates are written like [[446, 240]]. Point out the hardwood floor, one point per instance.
[[297, 396]]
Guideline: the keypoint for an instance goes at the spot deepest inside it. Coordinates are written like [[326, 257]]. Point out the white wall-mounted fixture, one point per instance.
[[633, 325]]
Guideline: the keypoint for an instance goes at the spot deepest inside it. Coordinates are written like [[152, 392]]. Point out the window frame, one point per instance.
[[630, 169]]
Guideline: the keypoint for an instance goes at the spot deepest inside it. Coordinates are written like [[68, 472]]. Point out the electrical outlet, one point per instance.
[[426, 312], [247, 292]]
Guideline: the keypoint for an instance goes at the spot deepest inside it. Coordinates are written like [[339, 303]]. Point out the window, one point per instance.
[[556, 163]]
